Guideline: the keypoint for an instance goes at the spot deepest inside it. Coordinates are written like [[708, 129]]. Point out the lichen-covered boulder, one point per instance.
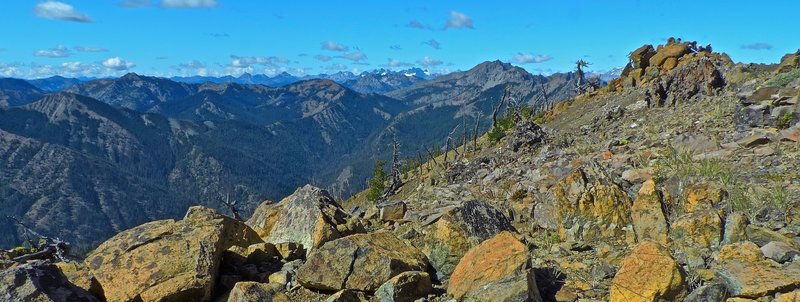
[[310, 217], [746, 273], [460, 229], [40, 281], [647, 213], [649, 273], [405, 287], [168, 260], [79, 274], [361, 262], [496, 270], [256, 291], [702, 229], [589, 204]]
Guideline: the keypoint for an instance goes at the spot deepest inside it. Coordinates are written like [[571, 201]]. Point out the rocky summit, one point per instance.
[[676, 181]]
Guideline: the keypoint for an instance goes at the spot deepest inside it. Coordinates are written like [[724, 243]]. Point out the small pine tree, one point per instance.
[[377, 184]]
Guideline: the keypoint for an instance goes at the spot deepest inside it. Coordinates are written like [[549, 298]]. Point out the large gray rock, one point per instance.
[[405, 287], [460, 229], [779, 251], [168, 260], [361, 262], [310, 216], [41, 282], [256, 291]]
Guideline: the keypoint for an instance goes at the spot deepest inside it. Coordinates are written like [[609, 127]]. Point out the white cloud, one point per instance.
[[59, 11], [459, 20], [116, 63], [428, 61], [528, 58], [433, 44], [90, 49], [397, 63], [244, 62], [355, 56], [322, 58], [334, 46], [188, 3], [58, 52]]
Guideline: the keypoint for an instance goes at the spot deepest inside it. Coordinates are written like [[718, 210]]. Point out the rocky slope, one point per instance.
[[675, 183]]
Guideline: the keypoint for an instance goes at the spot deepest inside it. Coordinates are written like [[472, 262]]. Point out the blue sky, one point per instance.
[[219, 37]]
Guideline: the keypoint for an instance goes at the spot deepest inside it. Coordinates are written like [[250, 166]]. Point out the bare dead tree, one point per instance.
[[396, 182], [502, 102], [447, 144], [48, 248], [543, 94], [580, 86], [431, 155], [419, 165], [464, 143], [475, 132], [231, 205]]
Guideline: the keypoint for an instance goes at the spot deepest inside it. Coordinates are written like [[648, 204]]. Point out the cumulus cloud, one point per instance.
[[241, 65], [428, 61], [59, 11], [432, 43], [90, 49], [757, 46], [334, 46], [528, 58], [355, 56], [322, 58], [116, 63], [77, 69], [189, 3], [191, 68], [459, 20], [416, 24], [58, 52], [397, 63], [243, 62]]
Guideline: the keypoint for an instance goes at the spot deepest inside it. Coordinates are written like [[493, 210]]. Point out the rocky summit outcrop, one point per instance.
[[650, 274], [498, 269], [168, 260], [310, 217], [590, 203], [360, 262], [675, 72], [459, 229], [40, 281]]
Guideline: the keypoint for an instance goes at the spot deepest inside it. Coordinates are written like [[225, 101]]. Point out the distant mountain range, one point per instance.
[[107, 154]]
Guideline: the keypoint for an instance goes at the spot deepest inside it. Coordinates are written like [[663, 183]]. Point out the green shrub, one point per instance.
[[785, 120], [377, 184]]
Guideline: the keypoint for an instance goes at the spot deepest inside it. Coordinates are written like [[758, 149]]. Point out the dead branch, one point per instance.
[[231, 205]]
